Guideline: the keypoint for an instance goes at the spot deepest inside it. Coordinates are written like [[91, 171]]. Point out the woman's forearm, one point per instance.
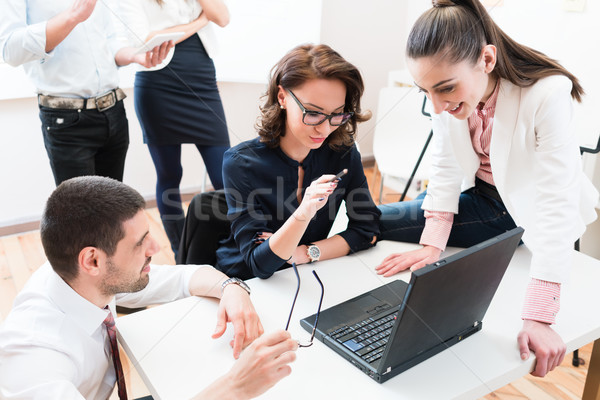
[[216, 11], [188, 29], [285, 240]]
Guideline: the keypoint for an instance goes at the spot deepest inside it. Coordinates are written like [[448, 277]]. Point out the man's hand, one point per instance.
[[236, 307], [81, 10], [414, 260], [547, 345], [149, 59], [262, 365], [155, 56]]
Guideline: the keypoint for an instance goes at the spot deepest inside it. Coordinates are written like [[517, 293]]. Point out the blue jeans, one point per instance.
[[479, 218]]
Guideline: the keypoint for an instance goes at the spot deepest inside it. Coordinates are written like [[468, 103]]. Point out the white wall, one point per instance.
[[371, 35]]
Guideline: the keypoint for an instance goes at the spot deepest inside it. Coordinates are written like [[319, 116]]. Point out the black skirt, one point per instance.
[[180, 103]]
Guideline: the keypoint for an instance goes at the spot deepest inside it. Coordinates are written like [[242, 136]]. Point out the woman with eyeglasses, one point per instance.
[[504, 153], [282, 190], [178, 102]]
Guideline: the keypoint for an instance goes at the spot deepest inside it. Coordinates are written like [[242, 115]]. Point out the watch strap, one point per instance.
[[235, 281]]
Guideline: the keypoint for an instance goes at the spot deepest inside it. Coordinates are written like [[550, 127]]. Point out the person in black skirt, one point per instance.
[[179, 102]]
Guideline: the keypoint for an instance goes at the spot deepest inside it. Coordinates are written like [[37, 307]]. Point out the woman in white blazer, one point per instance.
[[504, 153], [178, 101]]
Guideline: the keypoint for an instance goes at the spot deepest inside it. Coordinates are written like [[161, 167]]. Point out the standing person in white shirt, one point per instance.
[[55, 343], [178, 102], [70, 51]]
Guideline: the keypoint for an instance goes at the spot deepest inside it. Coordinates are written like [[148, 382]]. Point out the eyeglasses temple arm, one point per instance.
[[320, 303], [295, 296]]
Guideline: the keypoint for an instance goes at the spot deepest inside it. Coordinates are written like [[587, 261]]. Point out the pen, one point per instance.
[[339, 175]]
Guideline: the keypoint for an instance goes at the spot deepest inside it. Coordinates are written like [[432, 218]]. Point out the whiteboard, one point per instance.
[[260, 32]]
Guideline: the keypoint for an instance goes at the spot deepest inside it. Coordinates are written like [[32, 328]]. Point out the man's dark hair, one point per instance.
[[85, 211]]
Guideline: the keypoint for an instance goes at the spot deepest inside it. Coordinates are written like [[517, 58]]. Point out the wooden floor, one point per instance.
[[22, 254]]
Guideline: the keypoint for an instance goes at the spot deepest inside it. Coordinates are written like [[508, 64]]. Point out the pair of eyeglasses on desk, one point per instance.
[[310, 342]]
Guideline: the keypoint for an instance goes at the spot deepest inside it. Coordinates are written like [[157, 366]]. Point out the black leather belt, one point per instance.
[[102, 102], [488, 190]]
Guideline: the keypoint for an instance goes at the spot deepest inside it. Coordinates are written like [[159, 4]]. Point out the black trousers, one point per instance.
[[85, 142]]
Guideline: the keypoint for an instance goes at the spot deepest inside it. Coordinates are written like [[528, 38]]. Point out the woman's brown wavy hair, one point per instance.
[[299, 65]]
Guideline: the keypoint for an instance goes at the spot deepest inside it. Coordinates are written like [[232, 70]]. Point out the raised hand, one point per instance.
[[81, 10]]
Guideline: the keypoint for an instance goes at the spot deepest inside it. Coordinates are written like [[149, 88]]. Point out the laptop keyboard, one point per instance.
[[367, 338]]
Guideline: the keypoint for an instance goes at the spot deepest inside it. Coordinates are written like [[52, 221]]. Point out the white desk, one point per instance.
[[173, 352]]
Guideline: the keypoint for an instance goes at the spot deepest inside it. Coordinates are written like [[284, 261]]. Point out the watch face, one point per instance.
[[314, 252]]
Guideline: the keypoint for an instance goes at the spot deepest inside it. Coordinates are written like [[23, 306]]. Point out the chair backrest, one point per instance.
[[206, 224], [401, 131]]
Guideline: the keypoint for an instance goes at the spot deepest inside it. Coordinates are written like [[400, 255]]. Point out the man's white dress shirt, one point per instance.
[[82, 65], [53, 344]]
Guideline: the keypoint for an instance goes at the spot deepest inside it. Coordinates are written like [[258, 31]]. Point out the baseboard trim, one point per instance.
[[19, 228]]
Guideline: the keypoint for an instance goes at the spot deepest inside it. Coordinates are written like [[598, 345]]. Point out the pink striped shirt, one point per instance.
[[542, 299]]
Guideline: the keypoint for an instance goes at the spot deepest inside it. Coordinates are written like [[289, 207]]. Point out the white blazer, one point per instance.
[[536, 164]]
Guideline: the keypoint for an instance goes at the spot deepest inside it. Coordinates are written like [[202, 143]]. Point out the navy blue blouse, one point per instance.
[[261, 188]]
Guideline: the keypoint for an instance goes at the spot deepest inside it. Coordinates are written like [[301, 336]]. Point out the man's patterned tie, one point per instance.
[[109, 321]]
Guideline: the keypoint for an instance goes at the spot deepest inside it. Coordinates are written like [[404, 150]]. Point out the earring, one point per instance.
[[282, 107]]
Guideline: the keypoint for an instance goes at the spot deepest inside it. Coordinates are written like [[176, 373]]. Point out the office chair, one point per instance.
[[206, 224]]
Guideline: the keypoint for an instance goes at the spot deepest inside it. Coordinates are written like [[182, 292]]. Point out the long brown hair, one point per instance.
[[460, 29], [299, 65]]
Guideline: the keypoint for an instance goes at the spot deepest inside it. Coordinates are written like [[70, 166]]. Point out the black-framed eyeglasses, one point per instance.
[[312, 336], [313, 118]]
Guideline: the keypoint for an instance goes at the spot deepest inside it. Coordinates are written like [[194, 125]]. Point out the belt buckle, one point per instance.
[[106, 101]]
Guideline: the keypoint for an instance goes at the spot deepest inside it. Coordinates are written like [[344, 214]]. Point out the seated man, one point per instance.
[[59, 339]]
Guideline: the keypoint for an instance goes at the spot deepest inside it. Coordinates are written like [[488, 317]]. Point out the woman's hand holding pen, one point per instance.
[[315, 197], [284, 242]]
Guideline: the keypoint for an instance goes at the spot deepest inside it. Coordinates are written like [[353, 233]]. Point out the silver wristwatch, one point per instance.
[[313, 252], [235, 281]]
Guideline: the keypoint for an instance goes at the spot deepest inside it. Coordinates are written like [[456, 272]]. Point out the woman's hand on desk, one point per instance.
[[236, 307], [547, 345], [414, 260]]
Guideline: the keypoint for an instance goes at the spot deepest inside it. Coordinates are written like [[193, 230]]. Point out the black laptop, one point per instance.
[[390, 329]]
